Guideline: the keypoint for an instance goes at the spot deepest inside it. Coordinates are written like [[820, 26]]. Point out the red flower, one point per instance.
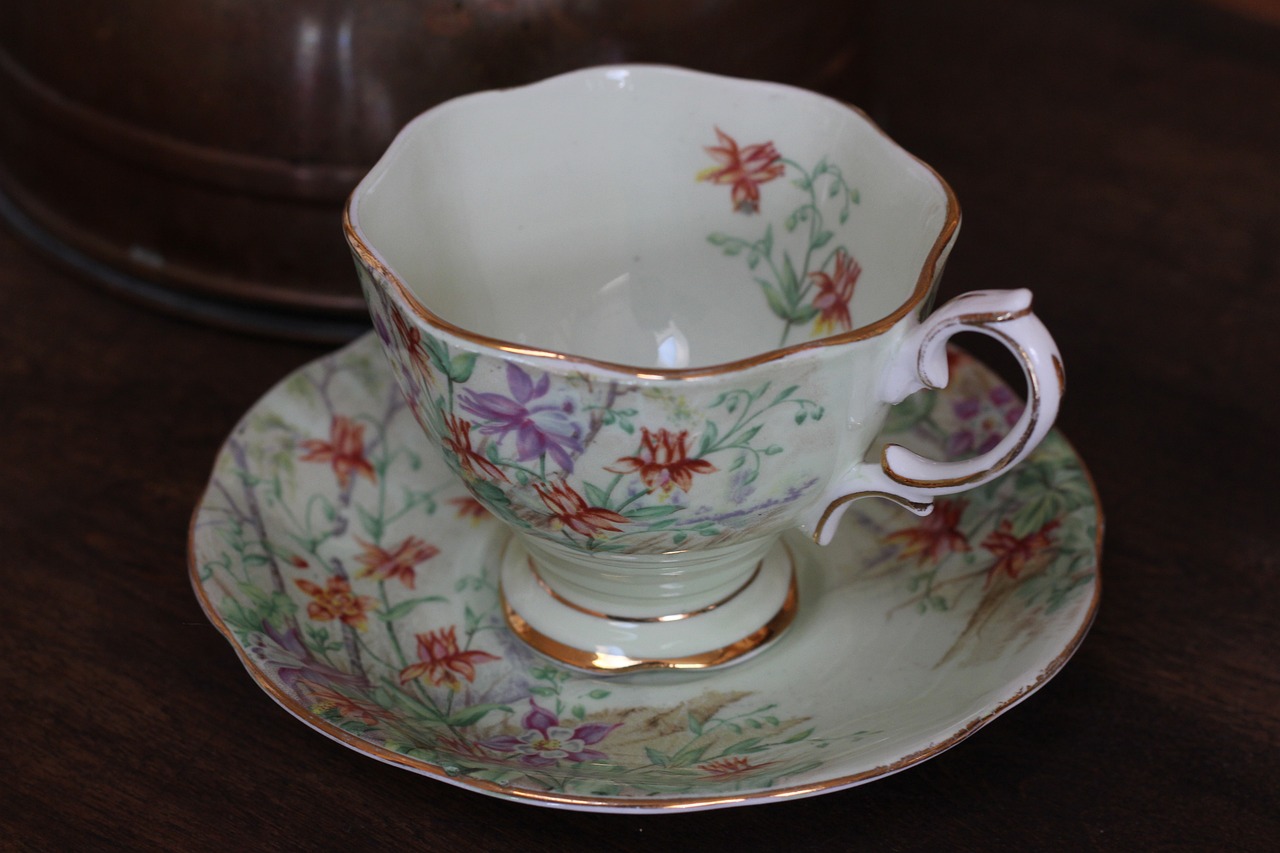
[[335, 600], [382, 565], [344, 451], [412, 340], [935, 535], [327, 699], [1012, 554], [663, 461], [569, 509], [469, 507], [745, 169], [472, 461], [834, 293], [441, 661]]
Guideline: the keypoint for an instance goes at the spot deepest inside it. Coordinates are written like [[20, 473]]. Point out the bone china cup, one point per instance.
[[654, 319]]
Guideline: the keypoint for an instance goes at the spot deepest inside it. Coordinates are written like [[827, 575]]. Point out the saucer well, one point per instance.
[[358, 583]]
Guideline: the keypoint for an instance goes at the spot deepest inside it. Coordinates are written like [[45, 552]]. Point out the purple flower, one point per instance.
[[543, 428], [545, 742], [286, 654]]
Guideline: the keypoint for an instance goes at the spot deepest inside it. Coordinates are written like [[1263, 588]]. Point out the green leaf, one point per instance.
[[679, 538], [595, 495], [655, 757], [776, 303], [405, 607], [718, 239], [790, 285], [766, 244], [579, 712], [796, 738], [372, 524], [709, 436], [821, 239], [599, 693], [461, 365], [545, 692], [804, 315], [471, 716], [784, 394], [749, 745], [646, 512], [750, 434]]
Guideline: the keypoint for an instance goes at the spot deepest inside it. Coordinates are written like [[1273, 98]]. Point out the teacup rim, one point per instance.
[[372, 258]]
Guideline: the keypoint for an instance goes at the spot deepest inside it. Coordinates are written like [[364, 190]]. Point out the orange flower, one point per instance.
[[380, 564], [935, 535], [344, 451], [834, 293], [1012, 554], [335, 600], [459, 441], [744, 168], [327, 699], [569, 509], [663, 461], [441, 661]]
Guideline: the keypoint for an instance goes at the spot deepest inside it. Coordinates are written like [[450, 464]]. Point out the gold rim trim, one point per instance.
[[924, 285], [615, 664], [641, 620]]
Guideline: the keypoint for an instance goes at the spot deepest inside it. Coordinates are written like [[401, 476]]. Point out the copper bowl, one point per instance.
[[196, 155]]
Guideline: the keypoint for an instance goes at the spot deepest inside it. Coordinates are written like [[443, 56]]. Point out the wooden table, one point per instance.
[[1120, 158]]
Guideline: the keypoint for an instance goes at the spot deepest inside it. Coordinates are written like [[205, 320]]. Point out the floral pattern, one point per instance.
[[357, 579], [815, 284], [607, 467]]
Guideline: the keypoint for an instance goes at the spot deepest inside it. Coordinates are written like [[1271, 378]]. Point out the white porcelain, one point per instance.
[[357, 580], [654, 319]]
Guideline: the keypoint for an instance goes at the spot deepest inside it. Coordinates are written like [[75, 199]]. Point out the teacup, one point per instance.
[[654, 318]]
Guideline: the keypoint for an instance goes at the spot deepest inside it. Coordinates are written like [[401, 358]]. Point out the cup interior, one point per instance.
[[653, 217]]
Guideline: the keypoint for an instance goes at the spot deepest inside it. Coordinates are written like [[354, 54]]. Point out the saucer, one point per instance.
[[358, 583]]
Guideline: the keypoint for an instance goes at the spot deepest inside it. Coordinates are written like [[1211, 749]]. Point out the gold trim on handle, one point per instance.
[[1033, 416]]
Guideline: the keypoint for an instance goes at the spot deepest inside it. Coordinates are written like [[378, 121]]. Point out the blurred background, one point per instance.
[[196, 155]]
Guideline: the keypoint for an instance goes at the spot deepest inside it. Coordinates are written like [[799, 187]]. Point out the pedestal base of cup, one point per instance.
[[725, 631]]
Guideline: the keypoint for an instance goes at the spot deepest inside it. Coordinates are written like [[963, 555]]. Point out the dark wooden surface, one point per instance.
[[1120, 157]]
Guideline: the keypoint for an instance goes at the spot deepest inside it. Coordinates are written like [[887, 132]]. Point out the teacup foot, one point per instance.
[[583, 638]]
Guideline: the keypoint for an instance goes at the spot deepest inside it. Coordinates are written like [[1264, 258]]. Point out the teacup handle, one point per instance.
[[921, 362]]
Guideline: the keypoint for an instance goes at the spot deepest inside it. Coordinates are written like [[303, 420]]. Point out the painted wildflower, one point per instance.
[[745, 169], [663, 461], [344, 451], [441, 662], [538, 427], [399, 562], [546, 741]]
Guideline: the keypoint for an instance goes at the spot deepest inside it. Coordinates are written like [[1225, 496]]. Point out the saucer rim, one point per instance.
[[632, 805]]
